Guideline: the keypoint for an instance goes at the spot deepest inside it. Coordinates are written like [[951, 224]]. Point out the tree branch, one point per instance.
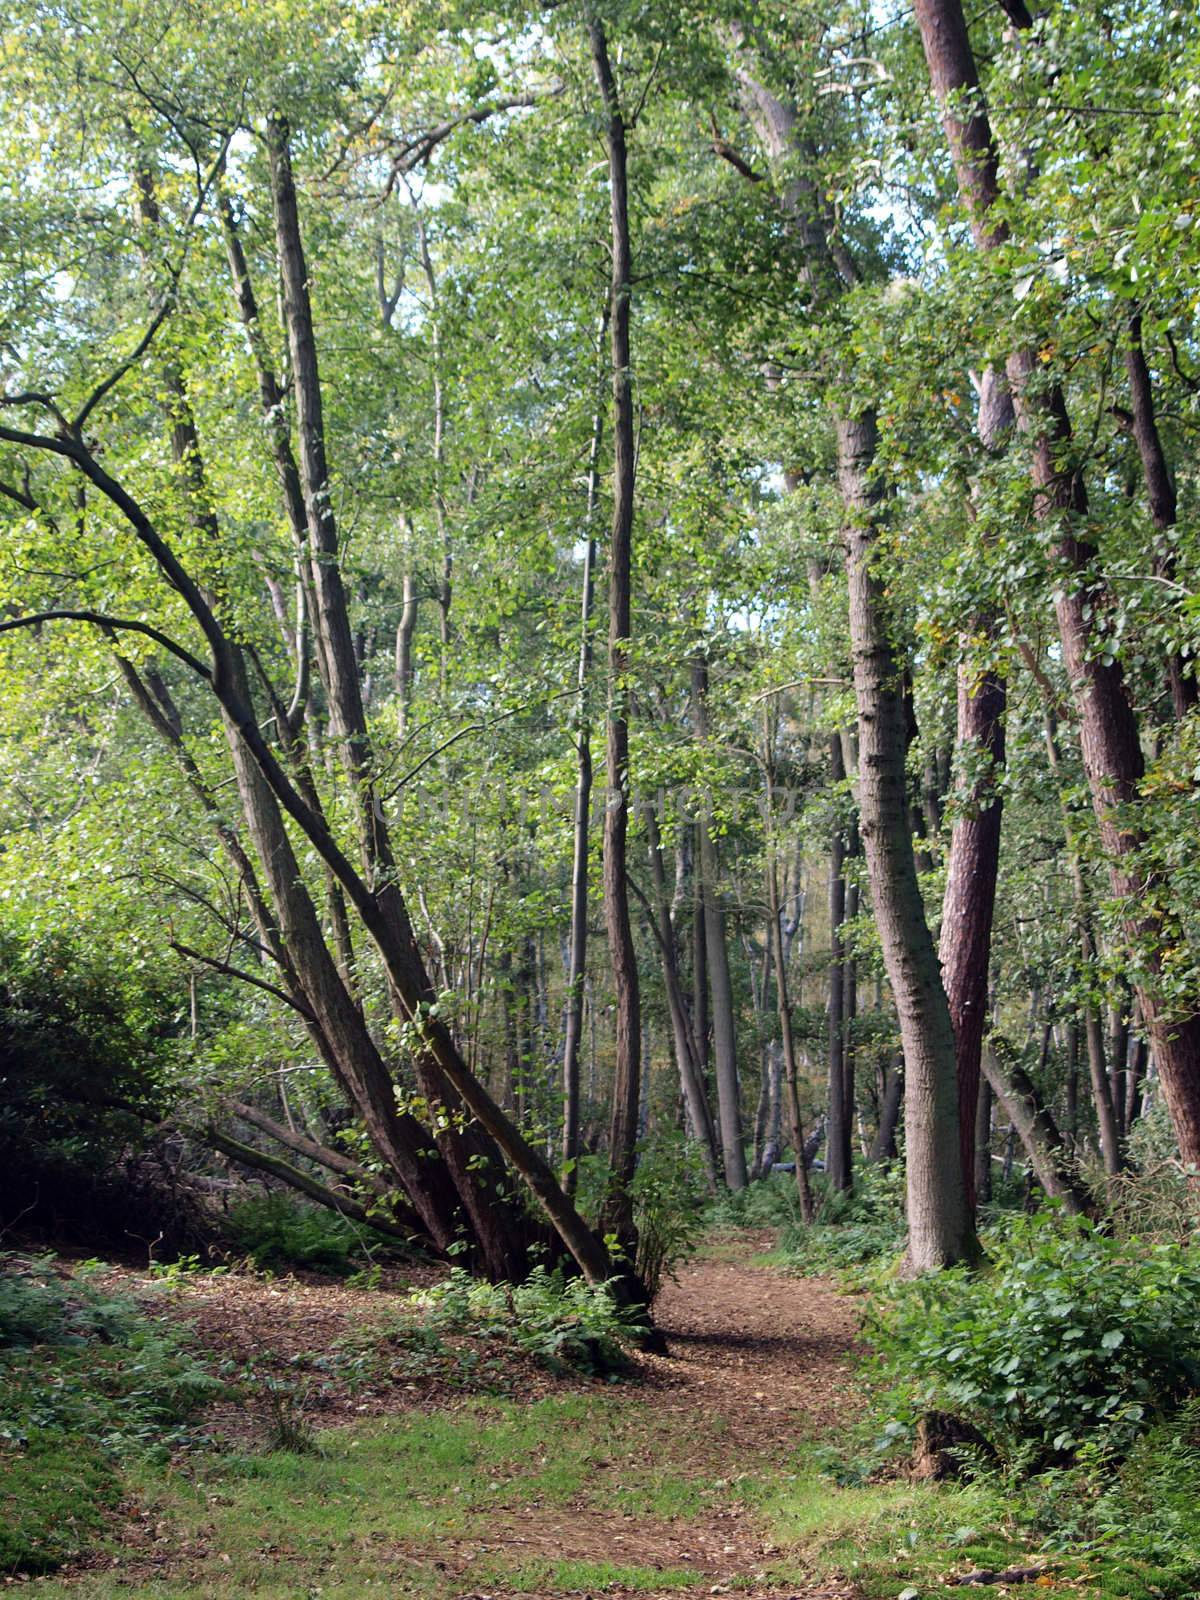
[[111, 624]]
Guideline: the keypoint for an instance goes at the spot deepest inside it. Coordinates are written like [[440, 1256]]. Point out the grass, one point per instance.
[[386, 1501], [891, 1535], [586, 1577], [55, 1497]]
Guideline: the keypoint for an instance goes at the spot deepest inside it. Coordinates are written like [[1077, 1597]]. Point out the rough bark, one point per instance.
[[941, 1231]]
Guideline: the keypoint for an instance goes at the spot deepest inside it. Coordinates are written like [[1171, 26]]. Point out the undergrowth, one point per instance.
[[86, 1380], [276, 1233], [562, 1322]]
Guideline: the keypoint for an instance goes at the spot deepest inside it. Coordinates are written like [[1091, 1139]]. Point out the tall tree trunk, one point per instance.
[[1112, 754], [973, 862], [623, 1126], [1102, 1094], [883, 1146], [582, 820], [469, 1152], [405, 629], [941, 1230], [983, 1142], [791, 1088], [347, 1047], [850, 1001], [687, 1056], [716, 944], [1160, 490], [969, 901], [837, 1123]]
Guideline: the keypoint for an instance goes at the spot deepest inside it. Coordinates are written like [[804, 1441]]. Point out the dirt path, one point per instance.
[[759, 1365], [766, 1353]]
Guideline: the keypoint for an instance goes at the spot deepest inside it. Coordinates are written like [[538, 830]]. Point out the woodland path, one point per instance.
[[760, 1366]]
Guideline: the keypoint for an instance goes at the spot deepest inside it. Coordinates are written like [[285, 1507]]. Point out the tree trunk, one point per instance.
[[1160, 490], [940, 1222], [1102, 1093], [405, 630], [622, 1138], [941, 1231], [577, 966], [969, 901], [1038, 1131], [322, 1154], [687, 1058], [983, 1142], [787, 1041], [837, 1126], [716, 945], [883, 1147], [261, 1161]]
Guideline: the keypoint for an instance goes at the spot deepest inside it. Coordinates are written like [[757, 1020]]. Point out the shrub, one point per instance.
[[563, 1322], [85, 1056], [853, 1228], [1070, 1338], [277, 1233], [771, 1202], [669, 1195], [669, 1198]]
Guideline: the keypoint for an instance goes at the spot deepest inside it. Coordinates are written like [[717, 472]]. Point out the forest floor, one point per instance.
[[453, 1473]]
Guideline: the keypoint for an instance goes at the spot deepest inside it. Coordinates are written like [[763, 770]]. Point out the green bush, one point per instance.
[[277, 1233], [85, 1058], [1071, 1338], [854, 1228], [563, 1322], [1140, 1517], [771, 1202], [669, 1194]]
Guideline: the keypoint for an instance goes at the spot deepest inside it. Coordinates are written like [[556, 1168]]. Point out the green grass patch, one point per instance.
[[386, 1499], [589, 1577], [55, 1497], [891, 1535]]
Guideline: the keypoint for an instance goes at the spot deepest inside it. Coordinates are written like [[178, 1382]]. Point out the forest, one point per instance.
[[599, 759]]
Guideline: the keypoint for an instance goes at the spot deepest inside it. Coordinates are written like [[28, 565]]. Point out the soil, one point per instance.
[[757, 1363]]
